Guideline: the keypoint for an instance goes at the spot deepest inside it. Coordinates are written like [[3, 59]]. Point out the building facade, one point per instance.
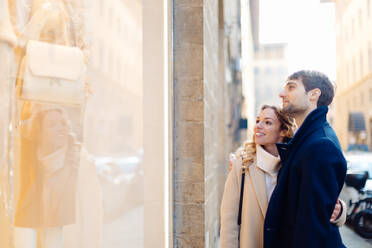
[[270, 71], [353, 114]]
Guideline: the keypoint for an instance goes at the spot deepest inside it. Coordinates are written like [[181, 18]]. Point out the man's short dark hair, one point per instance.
[[315, 79]]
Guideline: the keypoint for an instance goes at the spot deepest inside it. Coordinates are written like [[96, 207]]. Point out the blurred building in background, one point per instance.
[[270, 72], [114, 116], [270, 66], [353, 112], [115, 75]]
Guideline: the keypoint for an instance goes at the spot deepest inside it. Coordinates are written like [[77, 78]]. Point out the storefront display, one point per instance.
[[43, 89], [71, 147]]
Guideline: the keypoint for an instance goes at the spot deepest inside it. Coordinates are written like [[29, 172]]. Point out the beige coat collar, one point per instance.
[[266, 161], [257, 174]]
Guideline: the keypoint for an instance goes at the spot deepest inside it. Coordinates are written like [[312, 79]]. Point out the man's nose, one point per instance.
[[282, 93]]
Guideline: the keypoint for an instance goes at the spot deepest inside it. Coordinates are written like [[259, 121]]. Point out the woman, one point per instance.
[[261, 162], [49, 160]]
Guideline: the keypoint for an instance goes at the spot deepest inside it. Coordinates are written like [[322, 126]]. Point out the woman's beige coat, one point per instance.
[[254, 208]]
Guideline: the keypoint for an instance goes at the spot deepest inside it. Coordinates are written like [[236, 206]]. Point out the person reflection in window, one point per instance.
[[48, 168]]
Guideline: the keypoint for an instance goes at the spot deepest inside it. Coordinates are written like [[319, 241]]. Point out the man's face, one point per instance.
[[295, 98]]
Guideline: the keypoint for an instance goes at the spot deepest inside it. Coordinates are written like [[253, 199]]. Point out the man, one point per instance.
[[313, 170]]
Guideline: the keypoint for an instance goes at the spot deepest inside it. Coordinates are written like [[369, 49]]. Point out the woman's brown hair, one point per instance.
[[248, 151]]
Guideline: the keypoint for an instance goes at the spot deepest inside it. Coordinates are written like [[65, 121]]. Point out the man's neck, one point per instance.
[[300, 117]]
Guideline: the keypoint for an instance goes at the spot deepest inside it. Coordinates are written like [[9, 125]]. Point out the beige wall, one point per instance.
[[354, 65]]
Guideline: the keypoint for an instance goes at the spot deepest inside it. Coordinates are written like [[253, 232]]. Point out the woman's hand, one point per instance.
[[337, 211]]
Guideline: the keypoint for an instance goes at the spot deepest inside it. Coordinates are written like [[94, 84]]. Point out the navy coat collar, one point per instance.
[[312, 122]]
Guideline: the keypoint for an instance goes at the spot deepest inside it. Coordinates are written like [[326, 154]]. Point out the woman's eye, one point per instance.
[[268, 123], [257, 121]]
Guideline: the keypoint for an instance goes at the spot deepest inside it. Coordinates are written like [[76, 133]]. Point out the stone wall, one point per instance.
[[204, 123], [188, 124]]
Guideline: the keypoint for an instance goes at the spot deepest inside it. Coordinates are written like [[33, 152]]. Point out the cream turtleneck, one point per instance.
[[270, 165]]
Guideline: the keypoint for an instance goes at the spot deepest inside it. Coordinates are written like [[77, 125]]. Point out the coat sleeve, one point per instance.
[[342, 218], [322, 173], [229, 209]]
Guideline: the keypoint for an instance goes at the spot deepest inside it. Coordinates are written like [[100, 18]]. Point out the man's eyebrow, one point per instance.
[[290, 83]]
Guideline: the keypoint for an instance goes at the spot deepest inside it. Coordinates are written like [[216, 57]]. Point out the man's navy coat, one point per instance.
[[309, 182]]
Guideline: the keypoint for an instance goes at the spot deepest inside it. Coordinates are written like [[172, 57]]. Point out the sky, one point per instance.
[[308, 28]]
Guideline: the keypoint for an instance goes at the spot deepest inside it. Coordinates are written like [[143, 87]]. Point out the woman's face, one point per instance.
[[267, 128]]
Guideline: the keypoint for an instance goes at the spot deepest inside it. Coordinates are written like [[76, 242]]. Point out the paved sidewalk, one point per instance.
[[353, 240], [349, 238]]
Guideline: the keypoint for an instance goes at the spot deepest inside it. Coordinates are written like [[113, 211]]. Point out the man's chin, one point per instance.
[[293, 111], [289, 109]]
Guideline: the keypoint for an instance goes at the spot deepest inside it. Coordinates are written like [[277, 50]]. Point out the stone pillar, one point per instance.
[[202, 103], [188, 124]]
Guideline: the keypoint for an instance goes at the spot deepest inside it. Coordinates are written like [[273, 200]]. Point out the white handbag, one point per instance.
[[53, 73]]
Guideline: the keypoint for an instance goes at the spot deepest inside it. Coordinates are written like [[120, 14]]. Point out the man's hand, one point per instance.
[[337, 211]]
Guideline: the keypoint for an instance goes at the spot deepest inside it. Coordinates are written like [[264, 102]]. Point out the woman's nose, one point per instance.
[[259, 124]]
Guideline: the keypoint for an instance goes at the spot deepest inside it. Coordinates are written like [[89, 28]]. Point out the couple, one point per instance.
[[293, 177]]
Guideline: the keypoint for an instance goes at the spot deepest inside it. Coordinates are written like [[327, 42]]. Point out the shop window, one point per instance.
[[360, 18], [370, 134], [345, 36], [361, 64], [370, 56], [101, 7], [354, 70]]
